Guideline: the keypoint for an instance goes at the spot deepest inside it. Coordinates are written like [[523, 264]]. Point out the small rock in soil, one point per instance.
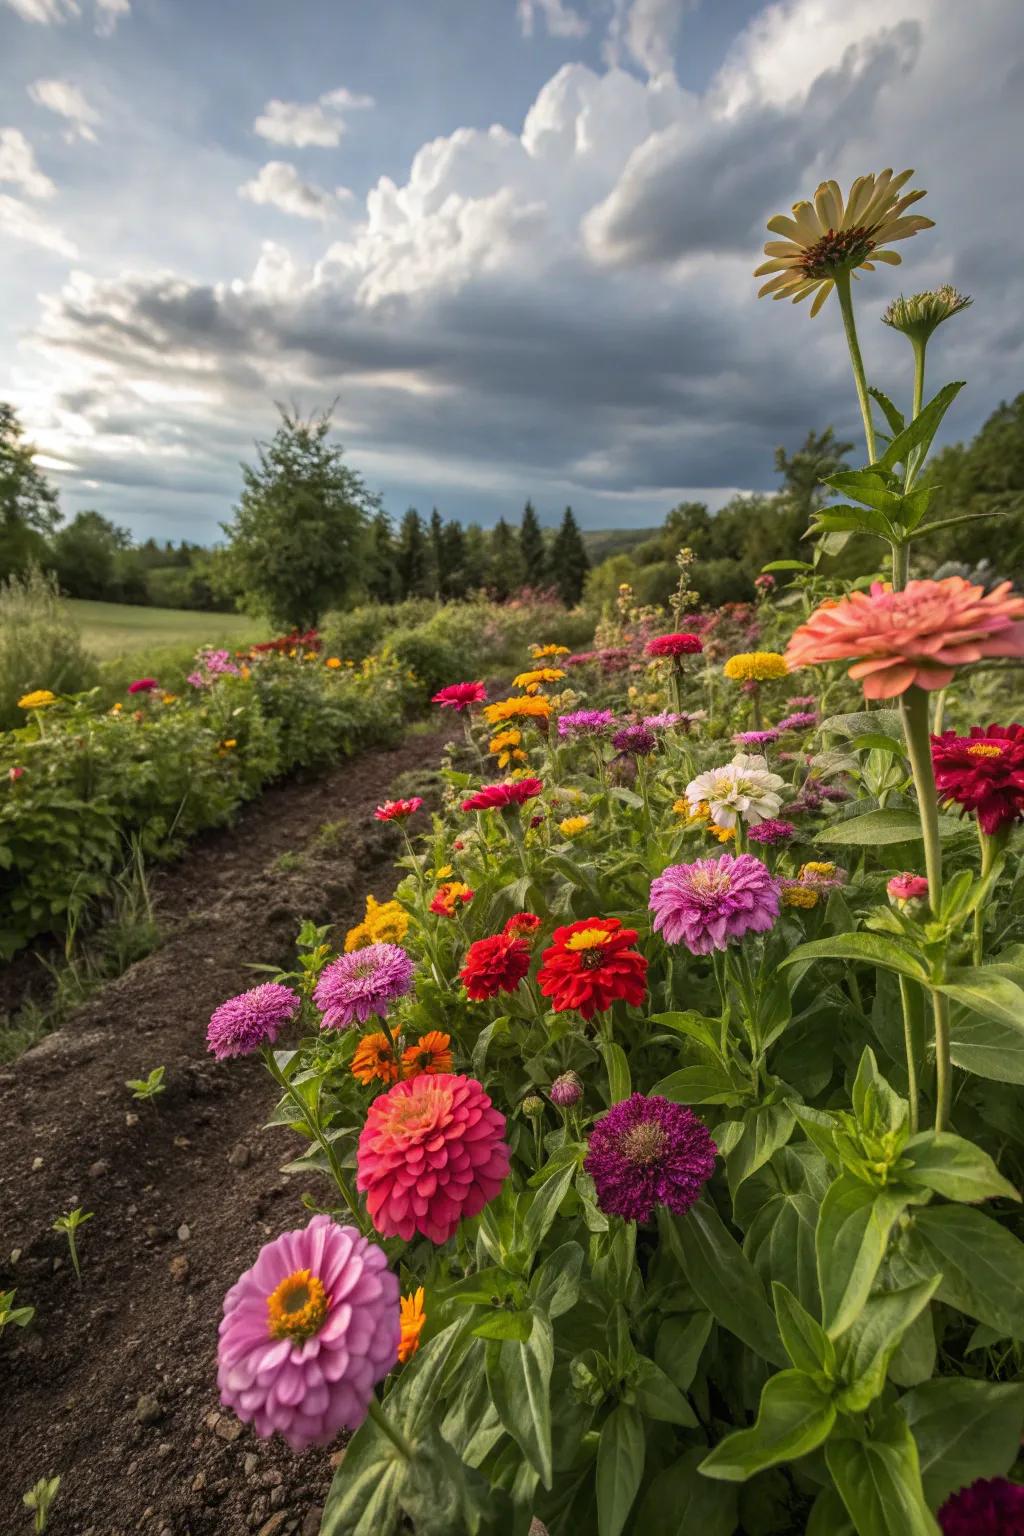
[[130, 1118], [99, 1169], [184, 1233], [250, 1464], [274, 1524], [163, 1450], [240, 1156], [199, 1482], [271, 1478], [179, 1268], [148, 1410], [228, 1429], [37, 1163]]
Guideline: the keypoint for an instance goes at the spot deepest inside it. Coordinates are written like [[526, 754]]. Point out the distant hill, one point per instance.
[[604, 542]]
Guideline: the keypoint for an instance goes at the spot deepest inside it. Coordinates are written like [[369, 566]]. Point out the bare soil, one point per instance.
[[113, 1385]]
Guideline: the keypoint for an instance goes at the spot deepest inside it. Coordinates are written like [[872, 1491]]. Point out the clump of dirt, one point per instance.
[[113, 1385]]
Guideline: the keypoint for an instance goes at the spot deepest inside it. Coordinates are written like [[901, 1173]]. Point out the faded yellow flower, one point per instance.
[[796, 895]]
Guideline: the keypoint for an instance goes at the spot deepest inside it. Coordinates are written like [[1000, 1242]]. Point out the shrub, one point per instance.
[[40, 644]]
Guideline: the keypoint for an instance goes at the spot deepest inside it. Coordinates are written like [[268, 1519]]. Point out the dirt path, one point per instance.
[[113, 1385]]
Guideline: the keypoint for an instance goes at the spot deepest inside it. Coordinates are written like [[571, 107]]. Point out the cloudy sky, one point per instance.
[[512, 238]]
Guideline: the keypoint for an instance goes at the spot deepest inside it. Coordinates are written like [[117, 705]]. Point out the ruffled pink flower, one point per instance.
[[254, 1018], [907, 887], [460, 696], [706, 904], [307, 1333], [432, 1151], [917, 636]]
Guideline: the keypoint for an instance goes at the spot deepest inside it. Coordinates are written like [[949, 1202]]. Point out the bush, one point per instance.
[[433, 660], [40, 644]]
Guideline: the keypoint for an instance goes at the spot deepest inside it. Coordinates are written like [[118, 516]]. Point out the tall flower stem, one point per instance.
[[859, 378], [990, 847], [312, 1122], [908, 1044], [388, 1428], [914, 712]]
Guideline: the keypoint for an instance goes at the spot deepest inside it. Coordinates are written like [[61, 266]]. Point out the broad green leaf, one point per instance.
[[829, 1517], [913, 1359], [555, 1286], [893, 416], [852, 1236], [364, 1494], [722, 1278], [870, 1342], [659, 1398], [807, 1344], [680, 1344], [987, 991], [868, 485], [695, 1025], [787, 565], [954, 1167], [707, 1084], [795, 1416], [887, 721], [620, 1467], [872, 1095], [544, 1206], [873, 829], [913, 442], [502, 1324], [981, 1263], [986, 1047], [620, 1084], [765, 1129], [879, 1481], [875, 741], [519, 1377], [964, 1430], [873, 948], [682, 1502]]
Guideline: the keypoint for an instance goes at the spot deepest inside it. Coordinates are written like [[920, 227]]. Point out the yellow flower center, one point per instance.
[[644, 1143], [984, 749], [587, 938], [298, 1307]]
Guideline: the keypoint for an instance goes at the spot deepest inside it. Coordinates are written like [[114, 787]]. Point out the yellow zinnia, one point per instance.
[[38, 699], [538, 652], [756, 666], [506, 747], [572, 826], [528, 708], [385, 922], [828, 239], [535, 680]]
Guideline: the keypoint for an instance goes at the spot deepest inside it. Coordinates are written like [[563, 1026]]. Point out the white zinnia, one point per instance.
[[743, 788]]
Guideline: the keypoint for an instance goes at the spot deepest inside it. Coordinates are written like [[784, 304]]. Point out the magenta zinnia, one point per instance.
[[362, 983], [460, 696], [991, 1506], [586, 722], [307, 1333], [983, 773], [705, 904], [647, 1151], [254, 1018]]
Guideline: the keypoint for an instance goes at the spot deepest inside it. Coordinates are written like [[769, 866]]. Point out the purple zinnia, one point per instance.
[[705, 904], [637, 740], [755, 738], [801, 721], [664, 721], [254, 1018], [586, 722], [772, 832], [362, 983], [647, 1151], [990, 1507], [566, 1090]]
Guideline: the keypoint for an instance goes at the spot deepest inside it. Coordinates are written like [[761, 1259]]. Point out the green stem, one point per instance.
[[385, 1425], [989, 850], [908, 1045], [859, 378], [316, 1132], [919, 345], [914, 710]]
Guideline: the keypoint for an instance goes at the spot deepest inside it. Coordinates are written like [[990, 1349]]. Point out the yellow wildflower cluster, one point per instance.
[[816, 869], [39, 698], [536, 708], [572, 826], [534, 681], [385, 922], [507, 747], [540, 652], [756, 666], [796, 895]]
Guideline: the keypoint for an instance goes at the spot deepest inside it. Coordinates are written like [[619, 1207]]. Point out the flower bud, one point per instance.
[[907, 890], [918, 316], [533, 1106], [566, 1090]]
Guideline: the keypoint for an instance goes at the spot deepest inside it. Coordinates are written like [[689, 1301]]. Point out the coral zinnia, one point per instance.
[[254, 1018], [375, 1058], [449, 896], [674, 645], [705, 904], [989, 1507], [493, 965], [755, 667], [496, 797], [647, 1151], [983, 772], [460, 696], [412, 1318], [432, 1151], [362, 983], [827, 239], [307, 1333], [917, 636], [432, 1054], [398, 810], [591, 965]]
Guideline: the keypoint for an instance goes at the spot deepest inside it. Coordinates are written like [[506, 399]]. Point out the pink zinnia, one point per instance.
[[917, 636], [254, 1018], [143, 685], [432, 1151], [907, 887], [398, 810], [496, 797], [705, 904], [460, 696], [362, 983], [307, 1334], [674, 645]]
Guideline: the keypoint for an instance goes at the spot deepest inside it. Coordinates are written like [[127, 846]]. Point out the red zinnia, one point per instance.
[[590, 965], [495, 797], [449, 897], [460, 696], [983, 773], [494, 965], [522, 922], [143, 685], [398, 810], [674, 645]]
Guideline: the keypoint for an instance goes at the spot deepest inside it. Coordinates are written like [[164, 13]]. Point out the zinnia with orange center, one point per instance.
[[917, 636], [375, 1058], [431, 1054], [591, 965]]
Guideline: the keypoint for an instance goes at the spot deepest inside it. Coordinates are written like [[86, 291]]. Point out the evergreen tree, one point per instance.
[[436, 542], [29, 511], [532, 550], [413, 556], [475, 565], [382, 580], [569, 562], [453, 561], [505, 571], [297, 539]]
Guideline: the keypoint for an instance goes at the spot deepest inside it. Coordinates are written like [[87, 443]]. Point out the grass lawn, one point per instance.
[[113, 630]]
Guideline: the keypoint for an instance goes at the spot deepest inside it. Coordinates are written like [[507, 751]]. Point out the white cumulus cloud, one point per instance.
[[69, 102], [52, 13], [559, 19], [306, 124], [279, 185], [18, 165], [23, 222]]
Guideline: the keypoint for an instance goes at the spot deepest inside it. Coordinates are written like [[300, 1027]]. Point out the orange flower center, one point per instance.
[[984, 749], [298, 1307], [413, 1116]]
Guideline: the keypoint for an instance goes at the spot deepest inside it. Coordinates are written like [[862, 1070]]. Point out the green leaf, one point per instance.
[[853, 1233], [722, 1278], [873, 829], [519, 1378], [893, 416], [981, 1263], [707, 1084], [766, 1128], [807, 1344], [829, 1517], [916, 439], [544, 1206], [886, 721], [964, 1430], [620, 1084], [955, 1168], [787, 565], [986, 1047], [503, 1324], [695, 1025], [869, 486], [879, 1481], [875, 741], [680, 1344], [682, 1502], [555, 1286], [987, 991], [795, 1416], [870, 1342], [873, 948], [620, 1467], [659, 1398]]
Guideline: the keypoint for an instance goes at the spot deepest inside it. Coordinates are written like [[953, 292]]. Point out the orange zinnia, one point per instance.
[[411, 1318], [431, 1054], [375, 1058]]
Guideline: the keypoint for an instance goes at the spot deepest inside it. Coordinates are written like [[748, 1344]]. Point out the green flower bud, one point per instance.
[[918, 316]]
